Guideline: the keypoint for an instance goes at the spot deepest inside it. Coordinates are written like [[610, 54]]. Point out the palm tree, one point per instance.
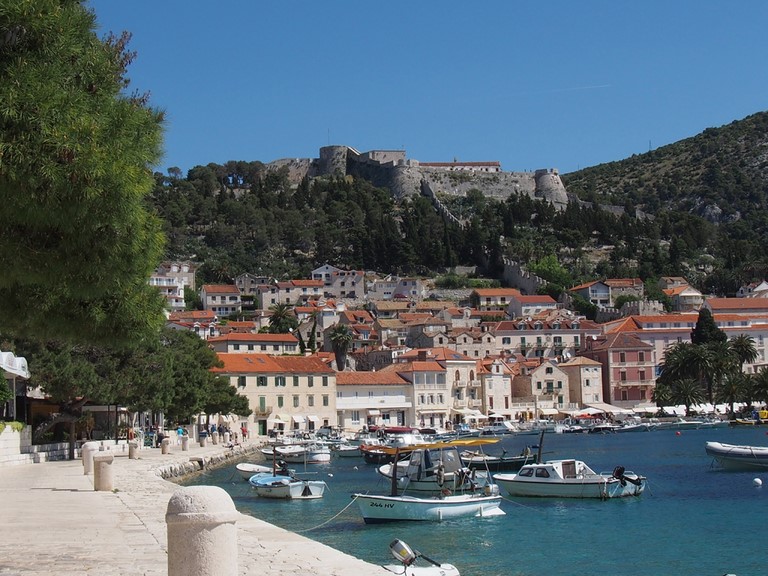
[[743, 347], [341, 337], [730, 390], [282, 320], [687, 392], [760, 387]]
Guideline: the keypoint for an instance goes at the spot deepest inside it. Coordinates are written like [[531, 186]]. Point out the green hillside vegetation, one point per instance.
[[695, 208]]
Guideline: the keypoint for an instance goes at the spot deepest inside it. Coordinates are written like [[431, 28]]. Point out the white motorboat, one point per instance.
[[570, 479], [287, 487], [246, 470], [732, 457], [304, 453], [346, 450], [376, 509]]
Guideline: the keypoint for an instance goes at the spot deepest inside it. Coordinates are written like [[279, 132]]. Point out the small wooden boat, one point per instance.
[[287, 487], [377, 509], [246, 470], [570, 479], [304, 453], [732, 457], [445, 505]]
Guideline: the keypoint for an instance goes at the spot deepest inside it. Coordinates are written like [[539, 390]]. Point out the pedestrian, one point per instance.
[[179, 434]]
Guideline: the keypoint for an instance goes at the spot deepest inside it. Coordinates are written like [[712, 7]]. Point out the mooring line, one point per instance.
[[329, 519]]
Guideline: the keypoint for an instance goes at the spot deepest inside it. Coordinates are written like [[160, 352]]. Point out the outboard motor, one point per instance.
[[618, 473]]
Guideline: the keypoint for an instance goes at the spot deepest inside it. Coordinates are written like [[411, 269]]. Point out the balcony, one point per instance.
[[262, 411], [476, 403], [460, 402]]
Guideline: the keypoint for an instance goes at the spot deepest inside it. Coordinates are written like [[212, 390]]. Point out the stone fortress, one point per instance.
[[406, 177]]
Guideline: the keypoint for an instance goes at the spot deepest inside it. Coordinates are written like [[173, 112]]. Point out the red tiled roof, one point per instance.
[[260, 337], [370, 378], [221, 288], [264, 363]]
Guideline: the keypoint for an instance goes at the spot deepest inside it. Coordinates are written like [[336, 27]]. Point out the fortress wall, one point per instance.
[[516, 276]]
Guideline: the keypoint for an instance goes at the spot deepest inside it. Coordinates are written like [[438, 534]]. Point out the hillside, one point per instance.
[[720, 175], [696, 208]]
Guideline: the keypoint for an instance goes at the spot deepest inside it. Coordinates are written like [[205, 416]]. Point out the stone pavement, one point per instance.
[[53, 523]]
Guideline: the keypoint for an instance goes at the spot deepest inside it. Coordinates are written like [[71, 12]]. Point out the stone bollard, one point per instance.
[[202, 438], [165, 447], [226, 437], [133, 450], [184, 443], [88, 450], [202, 535], [103, 476], [215, 438]]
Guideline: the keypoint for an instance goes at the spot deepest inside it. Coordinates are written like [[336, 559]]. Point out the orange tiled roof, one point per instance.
[[264, 363], [259, 337], [737, 303], [221, 288], [370, 378]]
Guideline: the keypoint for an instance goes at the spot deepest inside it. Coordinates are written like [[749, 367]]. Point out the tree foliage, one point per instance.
[[77, 242]]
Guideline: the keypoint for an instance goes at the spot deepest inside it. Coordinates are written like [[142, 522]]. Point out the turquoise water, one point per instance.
[[693, 519]]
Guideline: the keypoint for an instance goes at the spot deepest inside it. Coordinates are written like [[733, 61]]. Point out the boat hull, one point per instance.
[[379, 509], [281, 487], [600, 486], [247, 470], [732, 457]]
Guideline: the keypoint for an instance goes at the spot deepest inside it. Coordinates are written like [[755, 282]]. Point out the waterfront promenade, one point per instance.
[[55, 524]]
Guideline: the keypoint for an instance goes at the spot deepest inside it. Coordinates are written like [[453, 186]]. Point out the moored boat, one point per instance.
[[378, 509], [247, 469], [287, 487], [732, 457], [570, 479]]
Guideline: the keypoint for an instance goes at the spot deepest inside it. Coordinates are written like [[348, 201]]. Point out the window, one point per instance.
[[586, 383], [280, 402], [542, 473], [241, 381], [506, 341], [622, 357], [236, 346], [295, 401], [623, 377], [310, 381], [355, 416], [325, 400], [280, 381], [325, 380], [261, 381], [440, 399], [262, 404], [642, 374], [421, 399], [538, 385], [641, 356], [295, 380], [549, 370], [310, 400]]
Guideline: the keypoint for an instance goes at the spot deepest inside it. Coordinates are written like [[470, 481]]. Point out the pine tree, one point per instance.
[[77, 243]]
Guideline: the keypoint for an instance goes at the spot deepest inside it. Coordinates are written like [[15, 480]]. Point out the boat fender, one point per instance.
[[526, 451], [440, 475], [305, 436]]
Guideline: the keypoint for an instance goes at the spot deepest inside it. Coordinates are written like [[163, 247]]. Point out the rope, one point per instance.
[[517, 503], [354, 499]]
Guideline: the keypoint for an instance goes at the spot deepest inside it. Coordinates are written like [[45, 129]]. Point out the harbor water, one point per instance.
[[693, 519]]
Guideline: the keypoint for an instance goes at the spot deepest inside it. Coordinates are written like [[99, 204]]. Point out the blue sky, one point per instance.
[[531, 84]]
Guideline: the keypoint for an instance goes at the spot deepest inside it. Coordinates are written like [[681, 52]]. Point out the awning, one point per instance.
[[313, 418], [548, 411], [476, 415], [284, 417], [608, 408], [462, 411], [374, 412], [298, 419]]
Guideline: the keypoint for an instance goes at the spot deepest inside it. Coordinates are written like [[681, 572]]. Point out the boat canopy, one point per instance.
[[459, 443]]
